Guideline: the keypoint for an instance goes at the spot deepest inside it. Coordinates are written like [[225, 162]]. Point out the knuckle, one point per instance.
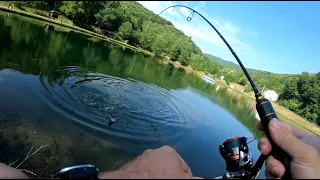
[[286, 137], [147, 151], [167, 148]]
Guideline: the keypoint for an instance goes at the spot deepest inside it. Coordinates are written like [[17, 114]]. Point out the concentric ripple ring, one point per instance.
[[139, 110]]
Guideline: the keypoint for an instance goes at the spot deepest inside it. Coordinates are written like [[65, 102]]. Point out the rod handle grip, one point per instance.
[[267, 113]]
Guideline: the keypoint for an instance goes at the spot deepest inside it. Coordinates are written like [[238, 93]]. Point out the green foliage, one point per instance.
[[226, 64], [231, 75], [302, 95], [184, 63], [111, 16], [262, 79], [141, 27], [72, 8], [248, 89], [243, 80], [180, 69], [204, 64], [299, 93], [125, 30], [81, 12], [291, 90], [43, 5]]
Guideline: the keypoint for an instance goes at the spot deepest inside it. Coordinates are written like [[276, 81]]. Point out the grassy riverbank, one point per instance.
[[75, 28], [284, 113]]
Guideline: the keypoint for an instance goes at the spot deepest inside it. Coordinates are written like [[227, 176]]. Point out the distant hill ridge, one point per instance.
[[232, 65], [225, 63]]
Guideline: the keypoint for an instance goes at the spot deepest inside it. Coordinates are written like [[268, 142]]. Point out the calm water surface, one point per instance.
[[62, 88]]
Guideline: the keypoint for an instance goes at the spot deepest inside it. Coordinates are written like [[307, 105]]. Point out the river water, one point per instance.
[[95, 102]]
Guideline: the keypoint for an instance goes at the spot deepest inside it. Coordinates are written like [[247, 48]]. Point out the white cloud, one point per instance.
[[199, 29], [173, 11], [156, 6], [198, 33], [186, 12]]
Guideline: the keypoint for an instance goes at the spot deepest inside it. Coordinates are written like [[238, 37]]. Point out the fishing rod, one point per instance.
[[235, 150]]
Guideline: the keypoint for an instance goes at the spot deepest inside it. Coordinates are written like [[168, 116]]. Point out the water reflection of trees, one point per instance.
[[240, 107], [30, 50], [35, 51]]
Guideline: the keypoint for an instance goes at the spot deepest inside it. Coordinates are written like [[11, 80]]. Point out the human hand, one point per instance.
[[160, 163], [7, 172], [303, 147]]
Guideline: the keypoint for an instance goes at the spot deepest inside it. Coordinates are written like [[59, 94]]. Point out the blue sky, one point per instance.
[[281, 37]]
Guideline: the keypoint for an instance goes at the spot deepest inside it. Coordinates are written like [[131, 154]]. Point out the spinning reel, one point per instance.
[[235, 150], [239, 162]]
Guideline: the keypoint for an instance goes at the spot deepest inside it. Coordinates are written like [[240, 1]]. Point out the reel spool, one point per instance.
[[235, 152]]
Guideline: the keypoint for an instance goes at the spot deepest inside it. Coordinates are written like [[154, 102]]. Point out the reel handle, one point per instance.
[[267, 113]]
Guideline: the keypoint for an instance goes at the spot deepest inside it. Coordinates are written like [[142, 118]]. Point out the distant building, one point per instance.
[[271, 95]]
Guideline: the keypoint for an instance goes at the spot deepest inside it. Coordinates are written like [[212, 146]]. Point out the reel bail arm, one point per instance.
[[239, 162]]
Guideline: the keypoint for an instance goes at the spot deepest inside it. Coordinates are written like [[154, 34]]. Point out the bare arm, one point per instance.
[[7, 172]]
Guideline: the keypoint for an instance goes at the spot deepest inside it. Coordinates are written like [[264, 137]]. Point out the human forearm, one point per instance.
[[7, 172]]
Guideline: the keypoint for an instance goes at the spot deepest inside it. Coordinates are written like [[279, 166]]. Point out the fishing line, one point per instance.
[[263, 105], [254, 138], [190, 16]]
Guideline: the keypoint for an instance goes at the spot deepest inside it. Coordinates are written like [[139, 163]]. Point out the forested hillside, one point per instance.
[[224, 63], [298, 92], [130, 21], [302, 95], [263, 79]]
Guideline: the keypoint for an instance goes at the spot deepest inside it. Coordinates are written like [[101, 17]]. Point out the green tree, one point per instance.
[[111, 16], [81, 12], [290, 90], [131, 21], [243, 80], [72, 8], [248, 89], [43, 5], [302, 95], [126, 30]]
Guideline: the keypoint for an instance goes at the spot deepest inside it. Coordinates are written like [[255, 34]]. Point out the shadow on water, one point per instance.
[[63, 89]]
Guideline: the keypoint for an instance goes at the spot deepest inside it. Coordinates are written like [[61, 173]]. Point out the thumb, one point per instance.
[[282, 135]]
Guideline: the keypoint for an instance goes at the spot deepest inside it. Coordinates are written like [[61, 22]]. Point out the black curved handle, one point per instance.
[[267, 113]]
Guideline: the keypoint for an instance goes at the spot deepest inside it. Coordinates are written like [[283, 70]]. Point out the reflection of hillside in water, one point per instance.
[[38, 56], [240, 106], [32, 50]]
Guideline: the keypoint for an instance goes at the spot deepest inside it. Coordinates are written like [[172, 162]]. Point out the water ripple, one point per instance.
[[139, 110]]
